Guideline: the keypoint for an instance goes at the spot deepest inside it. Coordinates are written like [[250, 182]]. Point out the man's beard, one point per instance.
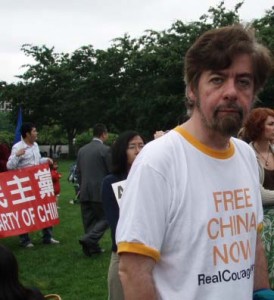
[[227, 125]]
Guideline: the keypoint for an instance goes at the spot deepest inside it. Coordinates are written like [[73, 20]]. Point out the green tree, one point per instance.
[[265, 32], [53, 90], [137, 83]]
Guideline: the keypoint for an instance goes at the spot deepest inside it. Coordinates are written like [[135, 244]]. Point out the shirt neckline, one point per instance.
[[220, 154]]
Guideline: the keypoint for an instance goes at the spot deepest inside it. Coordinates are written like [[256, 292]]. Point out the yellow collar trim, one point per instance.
[[221, 154]]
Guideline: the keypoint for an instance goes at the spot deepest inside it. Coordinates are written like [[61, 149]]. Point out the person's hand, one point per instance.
[[21, 152], [50, 161], [158, 134]]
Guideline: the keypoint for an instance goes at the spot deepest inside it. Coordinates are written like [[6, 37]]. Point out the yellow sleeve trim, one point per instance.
[[138, 248], [260, 227]]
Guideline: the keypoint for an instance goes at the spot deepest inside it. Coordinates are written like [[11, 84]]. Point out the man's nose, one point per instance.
[[230, 90]]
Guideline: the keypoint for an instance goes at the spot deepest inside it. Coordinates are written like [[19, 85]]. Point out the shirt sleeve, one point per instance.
[[110, 205], [43, 160], [13, 160], [144, 212]]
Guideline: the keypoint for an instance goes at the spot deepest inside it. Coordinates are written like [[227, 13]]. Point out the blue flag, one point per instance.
[[17, 137]]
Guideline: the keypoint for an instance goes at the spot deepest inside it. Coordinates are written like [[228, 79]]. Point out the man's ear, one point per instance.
[[190, 93]]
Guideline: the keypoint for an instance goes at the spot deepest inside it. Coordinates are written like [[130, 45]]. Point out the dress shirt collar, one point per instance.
[[97, 139]]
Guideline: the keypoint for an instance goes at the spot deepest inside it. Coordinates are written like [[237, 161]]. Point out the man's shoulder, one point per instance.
[[243, 147], [99, 145], [88, 145], [93, 146], [241, 144], [165, 143], [19, 144]]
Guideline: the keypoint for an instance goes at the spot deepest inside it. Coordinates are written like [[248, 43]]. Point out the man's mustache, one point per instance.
[[230, 107]]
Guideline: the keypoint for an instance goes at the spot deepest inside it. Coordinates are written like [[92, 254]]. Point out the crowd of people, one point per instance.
[[191, 213]]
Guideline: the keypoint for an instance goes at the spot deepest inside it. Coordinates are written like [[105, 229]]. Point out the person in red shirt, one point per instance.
[[55, 175]]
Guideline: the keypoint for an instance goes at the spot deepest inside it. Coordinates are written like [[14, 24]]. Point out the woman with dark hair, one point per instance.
[[10, 286], [259, 129], [124, 151]]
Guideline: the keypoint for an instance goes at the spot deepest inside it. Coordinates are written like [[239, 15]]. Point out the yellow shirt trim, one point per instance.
[[260, 228], [138, 248], [221, 154]]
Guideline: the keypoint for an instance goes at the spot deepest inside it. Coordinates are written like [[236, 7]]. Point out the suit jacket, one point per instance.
[[93, 164]]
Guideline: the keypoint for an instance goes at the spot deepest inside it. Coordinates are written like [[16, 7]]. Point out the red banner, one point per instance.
[[27, 200]]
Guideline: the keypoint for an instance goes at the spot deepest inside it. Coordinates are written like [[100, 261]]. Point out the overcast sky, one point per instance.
[[69, 24]]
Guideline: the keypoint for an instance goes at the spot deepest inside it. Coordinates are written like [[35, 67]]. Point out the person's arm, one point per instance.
[[267, 196], [15, 156], [261, 280], [106, 156], [78, 170], [42, 160], [262, 289], [45, 160], [135, 272], [110, 204]]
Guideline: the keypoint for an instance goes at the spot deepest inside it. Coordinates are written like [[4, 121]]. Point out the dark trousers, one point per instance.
[[46, 236], [94, 222]]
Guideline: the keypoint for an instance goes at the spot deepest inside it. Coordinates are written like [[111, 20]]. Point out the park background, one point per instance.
[[136, 83], [63, 268]]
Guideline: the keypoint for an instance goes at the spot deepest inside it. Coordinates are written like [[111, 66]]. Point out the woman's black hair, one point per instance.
[[10, 286], [119, 151]]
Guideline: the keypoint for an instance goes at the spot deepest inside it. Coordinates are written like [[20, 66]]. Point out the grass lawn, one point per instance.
[[63, 269]]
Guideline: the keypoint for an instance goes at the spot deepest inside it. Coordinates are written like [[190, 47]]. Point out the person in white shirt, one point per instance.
[[191, 208], [26, 153]]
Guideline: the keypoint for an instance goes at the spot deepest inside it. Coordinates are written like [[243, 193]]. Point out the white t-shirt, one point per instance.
[[196, 212]]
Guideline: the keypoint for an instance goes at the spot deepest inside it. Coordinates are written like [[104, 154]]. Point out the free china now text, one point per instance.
[[239, 220]]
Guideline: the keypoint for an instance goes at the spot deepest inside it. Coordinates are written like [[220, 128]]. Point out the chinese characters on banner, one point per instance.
[[27, 200]]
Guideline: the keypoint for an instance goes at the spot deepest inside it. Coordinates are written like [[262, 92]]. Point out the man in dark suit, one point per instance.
[[93, 164]]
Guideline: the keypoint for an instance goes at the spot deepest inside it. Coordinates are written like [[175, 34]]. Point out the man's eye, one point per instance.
[[216, 80], [245, 82]]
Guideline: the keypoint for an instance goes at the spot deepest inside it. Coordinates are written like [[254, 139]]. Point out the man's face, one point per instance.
[[32, 136], [224, 97], [105, 136]]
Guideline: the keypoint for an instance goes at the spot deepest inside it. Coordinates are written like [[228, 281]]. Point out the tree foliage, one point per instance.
[[137, 83], [265, 32]]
